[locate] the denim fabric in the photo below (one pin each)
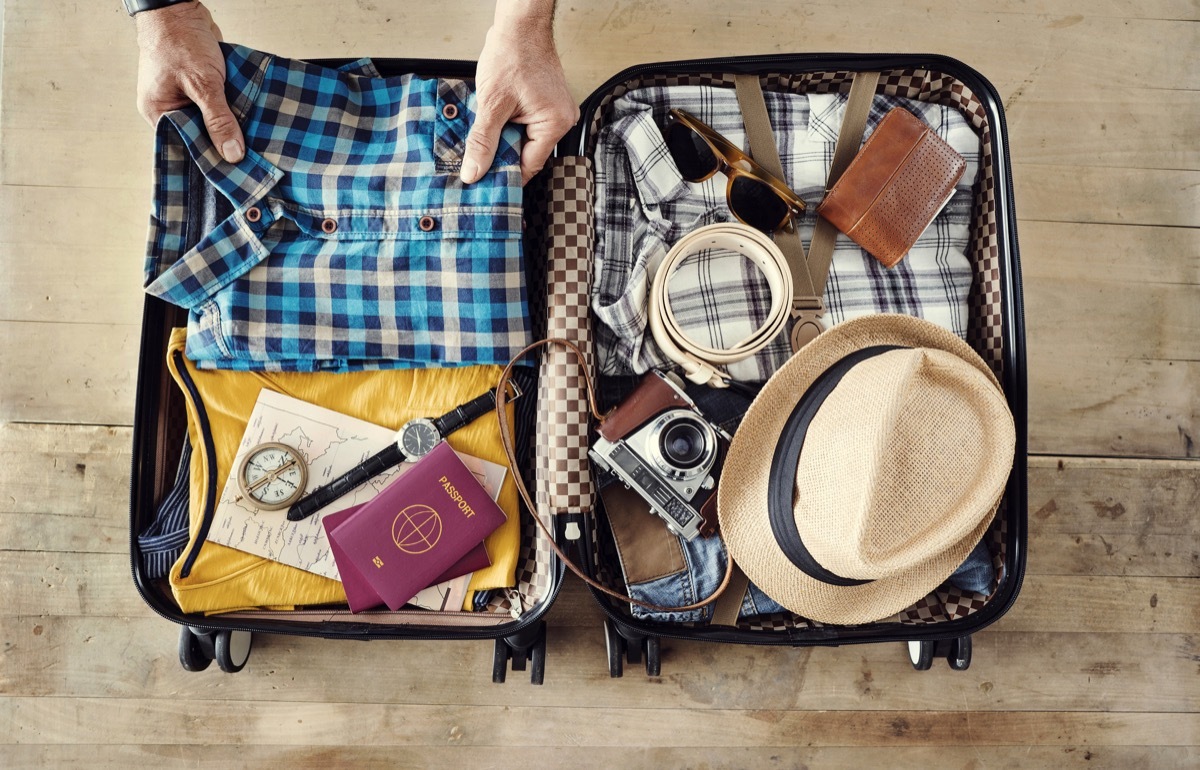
(351, 241)
(705, 558)
(976, 573)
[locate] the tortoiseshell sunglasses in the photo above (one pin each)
(756, 197)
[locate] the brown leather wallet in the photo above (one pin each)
(894, 187)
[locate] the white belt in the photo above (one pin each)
(700, 363)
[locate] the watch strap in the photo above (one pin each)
(133, 7)
(465, 413)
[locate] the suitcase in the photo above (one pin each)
(559, 213)
(942, 624)
(519, 633)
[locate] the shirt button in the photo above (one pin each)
(253, 214)
(329, 226)
(427, 223)
(449, 112)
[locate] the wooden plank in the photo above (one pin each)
(174, 721)
(75, 471)
(1129, 196)
(98, 584)
(1086, 395)
(1086, 516)
(1152, 130)
(304, 757)
(1114, 517)
(89, 379)
(1102, 405)
(1011, 671)
(1060, 253)
(1022, 52)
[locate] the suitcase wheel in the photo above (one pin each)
(527, 647)
(959, 655)
(653, 664)
(614, 644)
(232, 650)
(956, 651)
(627, 646)
(195, 649)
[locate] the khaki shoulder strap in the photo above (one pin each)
(809, 273)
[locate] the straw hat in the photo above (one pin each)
(866, 469)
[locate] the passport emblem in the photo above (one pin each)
(417, 529)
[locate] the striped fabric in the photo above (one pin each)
(350, 242)
(162, 542)
(643, 206)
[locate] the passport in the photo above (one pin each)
(417, 528)
(359, 593)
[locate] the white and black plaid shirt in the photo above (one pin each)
(643, 206)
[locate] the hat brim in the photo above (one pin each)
(745, 478)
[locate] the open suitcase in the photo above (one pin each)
(941, 624)
(559, 210)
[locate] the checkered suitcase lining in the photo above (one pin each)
(558, 226)
(985, 303)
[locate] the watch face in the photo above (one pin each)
(273, 476)
(418, 438)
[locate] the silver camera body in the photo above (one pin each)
(665, 450)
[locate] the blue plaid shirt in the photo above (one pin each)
(352, 243)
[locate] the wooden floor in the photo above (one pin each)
(1098, 664)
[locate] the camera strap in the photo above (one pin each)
(508, 441)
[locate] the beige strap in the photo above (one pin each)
(701, 363)
(763, 150)
(809, 273)
(508, 441)
(729, 606)
(854, 122)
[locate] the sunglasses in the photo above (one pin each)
(756, 197)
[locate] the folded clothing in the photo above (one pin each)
(210, 577)
(344, 239)
(643, 206)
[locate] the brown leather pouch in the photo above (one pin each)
(894, 187)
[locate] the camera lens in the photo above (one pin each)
(682, 444)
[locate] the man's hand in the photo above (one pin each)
(519, 79)
(180, 63)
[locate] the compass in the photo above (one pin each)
(273, 476)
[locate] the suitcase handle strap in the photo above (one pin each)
(811, 271)
(508, 441)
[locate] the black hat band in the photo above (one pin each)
(781, 484)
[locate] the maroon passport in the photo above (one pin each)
(406, 537)
(359, 593)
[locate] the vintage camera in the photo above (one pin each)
(659, 444)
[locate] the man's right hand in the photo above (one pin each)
(181, 63)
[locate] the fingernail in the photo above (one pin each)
(469, 171)
(232, 150)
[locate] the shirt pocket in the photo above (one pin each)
(454, 114)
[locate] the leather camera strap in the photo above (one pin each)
(809, 273)
(508, 441)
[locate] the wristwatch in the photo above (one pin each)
(134, 7)
(415, 439)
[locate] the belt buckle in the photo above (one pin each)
(807, 313)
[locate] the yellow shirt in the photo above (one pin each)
(223, 579)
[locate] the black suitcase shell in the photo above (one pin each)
(628, 638)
